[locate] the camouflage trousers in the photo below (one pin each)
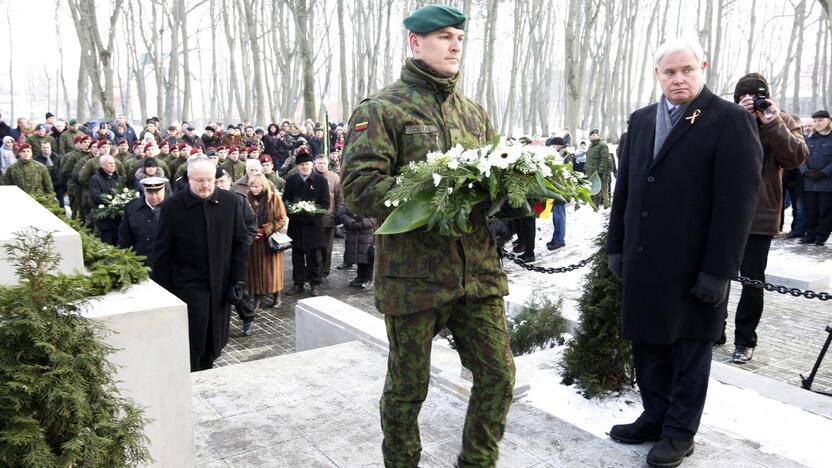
(602, 199)
(479, 331)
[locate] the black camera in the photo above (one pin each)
(760, 101)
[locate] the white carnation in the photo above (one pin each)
(436, 179)
(453, 164)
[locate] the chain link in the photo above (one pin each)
(795, 292)
(528, 266)
(745, 281)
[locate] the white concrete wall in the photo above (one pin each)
(150, 330)
(20, 211)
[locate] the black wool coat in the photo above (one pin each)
(359, 237)
(138, 228)
(201, 252)
(307, 232)
(688, 211)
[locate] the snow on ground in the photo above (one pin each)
(778, 428)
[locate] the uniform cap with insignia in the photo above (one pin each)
(24, 146)
(595, 131)
(196, 150)
(303, 156)
(432, 17)
(221, 172)
(73, 122)
(153, 184)
(123, 141)
(39, 127)
(211, 152)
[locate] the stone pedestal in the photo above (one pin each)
(148, 327)
(20, 211)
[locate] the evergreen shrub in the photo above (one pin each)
(538, 326)
(597, 359)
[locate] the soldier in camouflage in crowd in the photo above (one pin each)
(31, 176)
(425, 281)
(599, 159)
(70, 174)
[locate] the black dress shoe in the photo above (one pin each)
(635, 433)
(670, 452)
(295, 291)
(742, 354)
(555, 245)
(807, 240)
(793, 235)
(315, 290)
(519, 248)
(355, 282)
(344, 266)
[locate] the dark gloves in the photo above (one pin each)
(710, 289)
(814, 174)
(235, 294)
(357, 225)
(615, 262)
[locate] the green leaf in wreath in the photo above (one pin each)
(409, 216)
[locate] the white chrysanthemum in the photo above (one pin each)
(469, 157)
(484, 166)
(456, 151)
(453, 164)
(387, 203)
(395, 203)
(505, 156)
(436, 179)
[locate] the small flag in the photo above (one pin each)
(360, 126)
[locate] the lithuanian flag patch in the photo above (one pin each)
(361, 126)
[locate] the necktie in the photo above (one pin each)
(675, 114)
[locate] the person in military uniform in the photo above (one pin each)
(73, 187)
(140, 222)
(235, 165)
(31, 176)
(66, 142)
(426, 281)
(598, 160)
(38, 137)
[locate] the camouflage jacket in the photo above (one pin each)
(598, 159)
(236, 169)
(67, 142)
(31, 176)
(421, 269)
(36, 141)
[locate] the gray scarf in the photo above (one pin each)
(665, 120)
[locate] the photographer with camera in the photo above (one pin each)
(783, 148)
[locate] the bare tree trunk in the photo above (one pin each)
(174, 20)
(580, 23)
(256, 55)
(234, 95)
(800, 15)
(342, 64)
(302, 10)
(790, 51)
(752, 35)
(11, 58)
(519, 28)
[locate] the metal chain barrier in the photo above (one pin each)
(796, 292)
(528, 266)
(745, 281)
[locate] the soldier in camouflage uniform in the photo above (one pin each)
(598, 159)
(38, 137)
(425, 281)
(66, 143)
(31, 176)
(69, 174)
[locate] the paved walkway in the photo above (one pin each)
(319, 408)
(791, 332)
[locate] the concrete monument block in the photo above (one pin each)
(19, 211)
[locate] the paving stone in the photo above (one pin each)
(291, 454)
(246, 432)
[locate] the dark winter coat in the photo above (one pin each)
(307, 232)
(129, 134)
(820, 159)
(138, 228)
(54, 169)
(5, 130)
(359, 237)
(688, 211)
(783, 148)
(101, 183)
(200, 253)
(210, 142)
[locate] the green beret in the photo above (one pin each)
(432, 17)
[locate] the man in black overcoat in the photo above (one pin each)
(140, 222)
(306, 231)
(201, 256)
(682, 210)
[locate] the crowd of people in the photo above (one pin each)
(84, 164)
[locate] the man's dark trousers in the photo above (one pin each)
(750, 307)
(306, 266)
(673, 380)
(818, 215)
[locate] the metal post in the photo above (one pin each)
(807, 382)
